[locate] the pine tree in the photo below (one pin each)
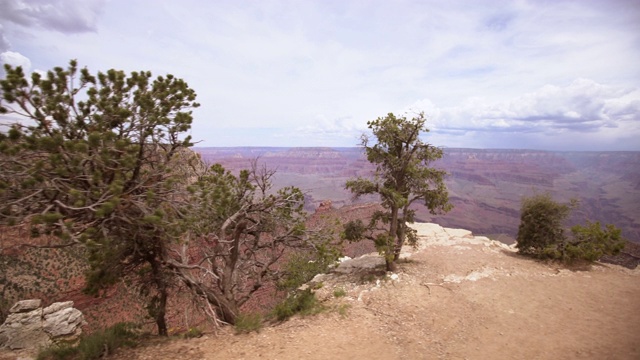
(90, 158)
(403, 176)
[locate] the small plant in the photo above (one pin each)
(338, 293)
(58, 352)
(301, 268)
(303, 302)
(342, 309)
(246, 323)
(94, 346)
(368, 278)
(193, 332)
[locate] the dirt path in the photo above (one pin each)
(450, 302)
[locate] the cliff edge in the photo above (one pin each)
(456, 296)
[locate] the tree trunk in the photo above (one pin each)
(226, 310)
(400, 239)
(159, 304)
(391, 241)
(391, 265)
(161, 311)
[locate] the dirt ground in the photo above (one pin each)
(448, 302)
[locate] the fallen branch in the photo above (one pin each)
(434, 284)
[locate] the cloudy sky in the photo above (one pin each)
(551, 75)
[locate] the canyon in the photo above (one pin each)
(486, 186)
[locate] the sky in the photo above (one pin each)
(543, 74)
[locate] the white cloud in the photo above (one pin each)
(16, 59)
(66, 16)
(583, 106)
(4, 42)
(272, 67)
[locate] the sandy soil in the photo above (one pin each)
(449, 302)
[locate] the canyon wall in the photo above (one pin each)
(486, 185)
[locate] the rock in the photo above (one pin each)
(325, 205)
(32, 328)
(55, 307)
(25, 306)
(63, 322)
(459, 233)
(368, 261)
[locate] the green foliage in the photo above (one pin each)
(85, 154)
(94, 346)
(193, 332)
(246, 323)
(591, 242)
(59, 352)
(403, 176)
(343, 309)
(338, 293)
(541, 233)
(302, 267)
(245, 227)
(541, 228)
(302, 302)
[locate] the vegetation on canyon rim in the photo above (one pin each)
(541, 233)
(403, 176)
(102, 161)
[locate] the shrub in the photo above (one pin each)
(540, 227)
(591, 242)
(301, 268)
(246, 323)
(303, 302)
(59, 352)
(95, 345)
(541, 233)
(339, 292)
(342, 309)
(193, 332)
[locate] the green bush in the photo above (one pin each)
(339, 293)
(343, 309)
(59, 352)
(302, 302)
(246, 323)
(591, 242)
(301, 268)
(95, 345)
(193, 332)
(540, 228)
(541, 233)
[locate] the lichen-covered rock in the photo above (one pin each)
(29, 326)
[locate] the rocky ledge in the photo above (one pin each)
(429, 235)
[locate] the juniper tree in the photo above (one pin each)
(403, 175)
(90, 158)
(238, 228)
